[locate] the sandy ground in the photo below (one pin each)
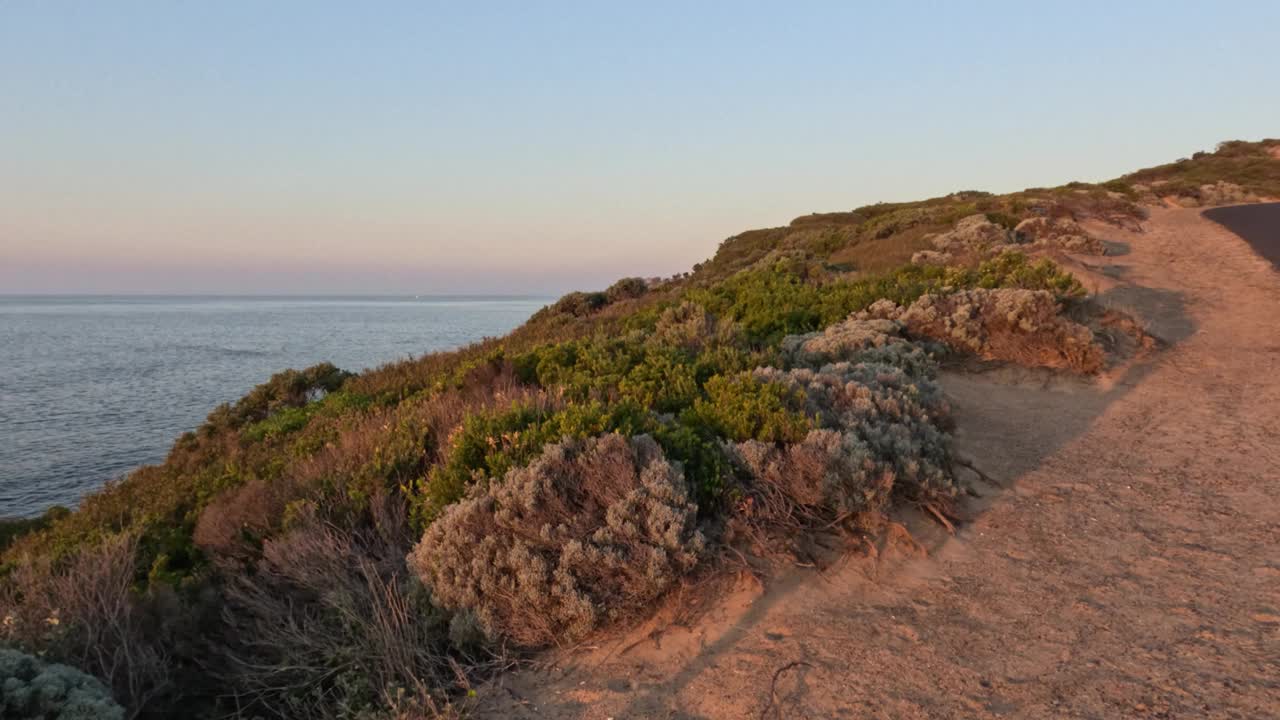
(1126, 563)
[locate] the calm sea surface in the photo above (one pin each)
(92, 387)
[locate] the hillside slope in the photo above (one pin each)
(355, 546)
(1122, 565)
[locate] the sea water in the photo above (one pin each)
(94, 386)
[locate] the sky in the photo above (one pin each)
(487, 147)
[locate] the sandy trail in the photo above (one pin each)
(1128, 565)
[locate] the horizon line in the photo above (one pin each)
(145, 294)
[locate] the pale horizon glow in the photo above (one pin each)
(432, 148)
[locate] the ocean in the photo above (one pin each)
(92, 387)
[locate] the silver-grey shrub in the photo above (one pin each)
(881, 432)
(863, 340)
(31, 689)
(1060, 233)
(1008, 324)
(590, 532)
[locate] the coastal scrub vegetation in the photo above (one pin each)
(36, 690)
(363, 546)
(1244, 171)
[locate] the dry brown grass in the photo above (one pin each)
(84, 612)
(875, 255)
(331, 618)
(230, 529)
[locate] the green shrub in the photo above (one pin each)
(1250, 165)
(626, 289)
(490, 444)
(579, 304)
(31, 689)
(654, 376)
(767, 304)
(691, 327)
(14, 528)
(1122, 187)
(283, 422)
(741, 407)
(1003, 219)
(288, 389)
(701, 454)
(1013, 270)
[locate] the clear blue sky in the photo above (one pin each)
(529, 147)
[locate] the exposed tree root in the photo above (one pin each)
(942, 519)
(773, 689)
(968, 464)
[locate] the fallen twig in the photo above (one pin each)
(773, 689)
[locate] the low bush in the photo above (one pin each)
(691, 327)
(13, 528)
(881, 435)
(897, 426)
(288, 389)
(31, 689)
(862, 340)
(84, 612)
(973, 235)
(579, 304)
(626, 289)
(489, 444)
(1058, 233)
(231, 529)
(331, 623)
(1013, 270)
(826, 476)
(591, 532)
(1010, 324)
(770, 304)
(1253, 167)
(741, 407)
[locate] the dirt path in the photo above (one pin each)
(1127, 566)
